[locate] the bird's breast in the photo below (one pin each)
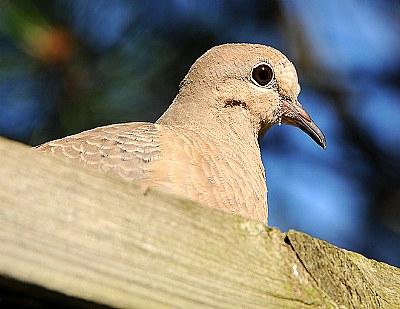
(222, 172)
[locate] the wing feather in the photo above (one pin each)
(124, 149)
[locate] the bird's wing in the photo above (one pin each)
(125, 149)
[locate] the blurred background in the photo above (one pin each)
(67, 66)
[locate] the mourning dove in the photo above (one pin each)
(206, 144)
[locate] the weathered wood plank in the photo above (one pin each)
(347, 277)
(91, 236)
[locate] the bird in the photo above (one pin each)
(205, 146)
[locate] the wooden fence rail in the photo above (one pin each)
(77, 237)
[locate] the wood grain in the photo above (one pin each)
(88, 235)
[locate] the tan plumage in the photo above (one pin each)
(205, 146)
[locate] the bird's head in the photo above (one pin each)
(258, 79)
(236, 82)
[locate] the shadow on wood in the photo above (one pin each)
(84, 235)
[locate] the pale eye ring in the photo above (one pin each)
(262, 74)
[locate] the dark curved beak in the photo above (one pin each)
(294, 114)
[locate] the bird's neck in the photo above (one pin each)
(228, 120)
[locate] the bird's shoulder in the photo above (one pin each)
(125, 149)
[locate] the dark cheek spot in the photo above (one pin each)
(231, 103)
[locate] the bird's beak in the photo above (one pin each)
(294, 114)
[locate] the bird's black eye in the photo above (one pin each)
(262, 74)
